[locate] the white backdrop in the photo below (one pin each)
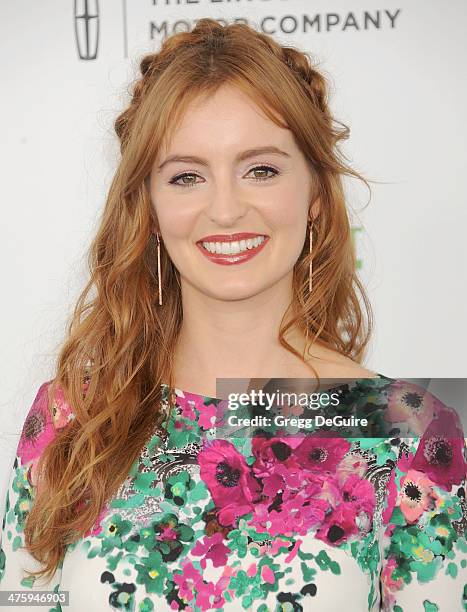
(397, 71)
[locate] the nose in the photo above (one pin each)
(226, 204)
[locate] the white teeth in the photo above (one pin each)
(232, 248)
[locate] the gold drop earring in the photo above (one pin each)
(310, 281)
(159, 268)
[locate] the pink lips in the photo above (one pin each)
(237, 258)
(228, 237)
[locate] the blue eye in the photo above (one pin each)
(191, 184)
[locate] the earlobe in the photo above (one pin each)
(147, 182)
(315, 208)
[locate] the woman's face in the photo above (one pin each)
(213, 182)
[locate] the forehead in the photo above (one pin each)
(226, 119)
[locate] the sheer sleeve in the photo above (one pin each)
(39, 429)
(424, 556)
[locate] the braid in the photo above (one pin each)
(149, 66)
(313, 81)
(122, 124)
(301, 66)
(211, 35)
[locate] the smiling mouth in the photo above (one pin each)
(233, 247)
(233, 251)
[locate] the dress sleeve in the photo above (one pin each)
(424, 556)
(39, 429)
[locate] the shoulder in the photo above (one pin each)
(48, 413)
(333, 364)
(420, 410)
(435, 435)
(425, 510)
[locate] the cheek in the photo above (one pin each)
(286, 210)
(176, 217)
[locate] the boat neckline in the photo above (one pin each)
(379, 376)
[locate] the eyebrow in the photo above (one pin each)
(194, 159)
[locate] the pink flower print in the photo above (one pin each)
(269, 452)
(440, 453)
(38, 430)
(251, 571)
(231, 512)
(339, 525)
(227, 573)
(411, 404)
(391, 497)
(299, 511)
(227, 476)
(388, 582)
(403, 464)
(210, 596)
(329, 490)
(192, 400)
(167, 533)
(61, 410)
(416, 495)
(276, 544)
(188, 411)
(212, 547)
(293, 553)
(294, 476)
(360, 493)
(207, 416)
(270, 521)
(187, 581)
(267, 574)
(302, 513)
(298, 482)
(272, 485)
(321, 453)
(286, 481)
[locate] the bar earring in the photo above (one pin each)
(159, 268)
(310, 279)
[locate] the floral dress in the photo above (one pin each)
(265, 522)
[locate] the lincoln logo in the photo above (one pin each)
(87, 28)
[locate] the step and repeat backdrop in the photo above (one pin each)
(396, 71)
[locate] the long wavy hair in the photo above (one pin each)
(119, 339)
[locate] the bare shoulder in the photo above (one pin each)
(333, 364)
(355, 370)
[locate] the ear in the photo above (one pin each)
(153, 226)
(315, 208)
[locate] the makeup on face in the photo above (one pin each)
(228, 249)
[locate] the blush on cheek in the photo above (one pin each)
(178, 219)
(286, 207)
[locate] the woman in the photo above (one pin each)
(225, 251)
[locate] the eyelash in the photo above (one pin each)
(261, 167)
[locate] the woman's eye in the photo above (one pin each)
(261, 169)
(182, 176)
(264, 169)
